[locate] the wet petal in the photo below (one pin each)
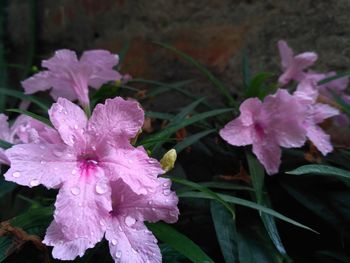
(320, 139)
(34, 164)
(235, 133)
(268, 153)
(38, 82)
(286, 53)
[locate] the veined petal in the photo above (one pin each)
(62, 60)
(97, 79)
(130, 241)
(70, 121)
(268, 153)
(134, 167)
(38, 82)
(235, 133)
(99, 59)
(34, 164)
(320, 139)
(323, 111)
(82, 203)
(160, 204)
(249, 109)
(65, 248)
(119, 118)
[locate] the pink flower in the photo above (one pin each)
(316, 113)
(267, 125)
(129, 239)
(293, 66)
(92, 155)
(70, 77)
(24, 130)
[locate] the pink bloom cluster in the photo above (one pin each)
(70, 78)
(283, 119)
(107, 186)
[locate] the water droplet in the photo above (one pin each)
(166, 200)
(16, 174)
(42, 162)
(102, 223)
(74, 171)
(150, 202)
(93, 148)
(42, 147)
(153, 209)
(134, 251)
(80, 204)
(75, 190)
(101, 188)
(69, 155)
(55, 168)
(65, 112)
(58, 153)
(118, 254)
(166, 184)
(76, 127)
(114, 242)
(120, 228)
(166, 191)
(34, 182)
(129, 221)
(143, 191)
(130, 161)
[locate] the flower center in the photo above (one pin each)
(88, 165)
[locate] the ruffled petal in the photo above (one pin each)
(65, 248)
(159, 204)
(133, 166)
(323, 111)
(235, 133)
(120, 119)
(38, 82)
(62, 60)
(82, 203)
(70, 121)
(286, 53)
(320, 139)
(268, 153)
(307, 90)
(99, 59)
(97, 79)
(249, 109)
(34, 164)
(130, 241)
(4, 128)
(304, 60)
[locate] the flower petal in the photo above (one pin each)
(70, 121)
(133, 166)
(323, 111)
(82, 203)
(4, 128)
(160, 204)
(320, 139)
(62, 60)
(38, 82)
(268, 153)
(65, 248)
(121, 119)
(249, 108)
(131, 241)
(304, 60)
(34, 164)
(286, 53)
(99, 59)
(235, 133)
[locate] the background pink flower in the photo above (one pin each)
(69, 77)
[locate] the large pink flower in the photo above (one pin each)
(129, 239)
(93, 153)
(267, 125)
(293, 66)
(70, 77)
(316, 113)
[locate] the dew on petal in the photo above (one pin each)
(166, 191)
(101, 188)
(150, 202)
(34, 182)
(74, 171)
(118, 254)
(129, 221)
(76, 127)
(16, 174)
(42, 162)
(42, 147)
(114, 242)
(75, 190)
(166, 184)
(130, 161)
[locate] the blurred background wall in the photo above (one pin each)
(213, 31)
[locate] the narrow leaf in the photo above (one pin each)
(338, 76)
(179, 242)
(33, 115)
(191, 140)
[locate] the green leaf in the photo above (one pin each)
(20, 95)
(344, 105)
(225, 228)
(206, 191)
(171, 129)
(5, 145)
(179, 242)
(226, 186)
(33, 115)
(257, 173)
(320, 169)
(186, 111)
(246, 203)
(338, 76)
(246, 70)
(188, 141)
(216, 82)
(34, 221)
(105, 92)
(256, 83)
(6, 187)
